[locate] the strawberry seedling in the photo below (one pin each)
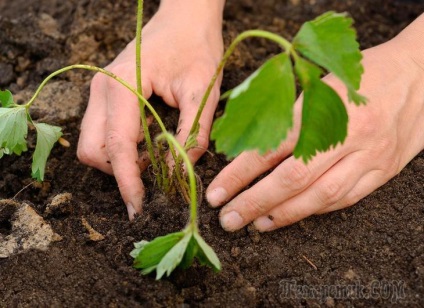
(165, 253)
(258, 116)
(259, 112)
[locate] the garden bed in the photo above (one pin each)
(369, 255)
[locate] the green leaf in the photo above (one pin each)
(148, 270)
(259, 111)
(191, 252)
(13, 129)
(6, 99)
(136, 251)
(173, 257)
(206, 254)
(138, 247)
(4, 151)
(47, 135)
(324, 116)
(152, 252)
(165, 253)
(330, 41)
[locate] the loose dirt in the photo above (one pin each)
(369, 255)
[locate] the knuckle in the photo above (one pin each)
(387, 153)
(97, 82)
(394, 166)
(254, 207)
(203, 72)
(390, 162)
(268, 160)
(203, 141)
(87, 156)
(166, 94)
(352, 197)
(193, 89)
(114, 143)
(121, 70)
(235, 179)
(330, 192)
(257, 160)
(84, 156)
(297, 177)
(366, 123)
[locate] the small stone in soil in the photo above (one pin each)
(92, 234)
(29, 231)
(253, 234)
(235, 251)
(60, 204)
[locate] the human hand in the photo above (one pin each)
(383, 137)
(182, 46)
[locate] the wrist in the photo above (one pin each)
(197, 20)
(410, 44)
(411, 41)
(209, 12)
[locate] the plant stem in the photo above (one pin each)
(138, 45)
(126, 85)
(190, 171)
(103, 71)
(161, 179)
(147, 136)
(286, 45)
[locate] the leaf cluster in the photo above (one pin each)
(259, 112)
(14, 122)
(165, 253)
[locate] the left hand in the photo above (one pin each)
(182, 46)
(383, 137)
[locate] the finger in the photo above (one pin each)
(329, 189)
(241, 172)
(121, 143)
(249, 165)
(363, 188)
(141, 134)
(189, 102)
(91, 145)
(289, 179)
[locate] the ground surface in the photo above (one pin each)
(373, 252)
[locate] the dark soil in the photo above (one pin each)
(374, 251)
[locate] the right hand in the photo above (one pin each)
(181, 49)
(383, 136)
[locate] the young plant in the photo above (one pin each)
(165, 253)
(15, 120)
(259, 112)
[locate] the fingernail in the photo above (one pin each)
(264, 223)
(131, 211)
(231, 221)
(217, 196)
